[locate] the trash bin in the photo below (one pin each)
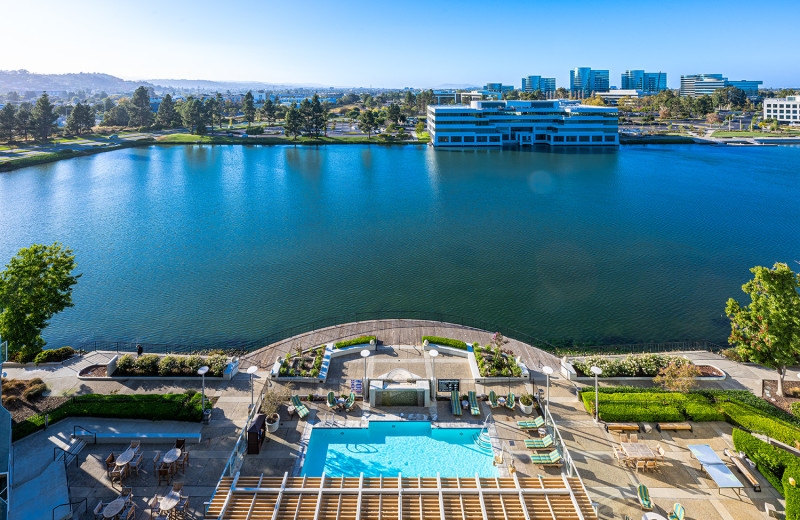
(206, 416)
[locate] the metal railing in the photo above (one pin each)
(85, 430)
(83, 500)
(558, 440)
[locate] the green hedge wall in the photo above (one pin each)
(652, 406)
(53, 355)
(446, 342)
(772, 462)
(363, 340)
(751, 419)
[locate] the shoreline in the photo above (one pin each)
(280, 141)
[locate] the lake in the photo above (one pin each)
(220, 244)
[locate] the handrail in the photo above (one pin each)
(85, 505)
(93, 433)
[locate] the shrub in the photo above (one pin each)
(772, 462)
(126, 364)
(147, 364)
(11, 401)
(34, 392)
(795, 408)
(193, 363)
(647, 365)
(35, 381)
(357, 341)
(700, 412)
(792, 392)
(168, 366)
(446, 342)
(190, 393)
(315, 372)
(255, 130)
(749, 418)
(217, 364)
(734, 354)
(54, 355)
(526, 399)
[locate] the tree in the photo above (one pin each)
(36, 284)
(562, 93)
(218, 108)
(24, 116)
(293, 125)
(249, 108)
(419, 128)
(367, 122)
(210, 107)
(767, 330)
(318, 116)
(140, 112)
(72, 125)
(193, 115)
(8, 121)
(43, 117)
(678, 376)
(393, 113)
(87, 119)
(117, 116)
(166, 112)
(269, 111)
(713, 118)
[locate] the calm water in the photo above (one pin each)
(389, 448)
(213, 244)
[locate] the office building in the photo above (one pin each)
(651, 82)
(498, 87)
(499, 123)
(612, 97)
(534, 83)
(584, 81)
(697, 85)
(784, 110)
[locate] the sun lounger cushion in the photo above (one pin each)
(474, 409)
(644, 497)
(302, 410)
(531, 424)
(554, 457)
(493, 399)
(544, 442)
(678, 513)
(455, 403)
(510, 401)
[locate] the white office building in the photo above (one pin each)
(498, 123)
(784, 110)
(697, 85)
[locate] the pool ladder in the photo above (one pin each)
(482, 439)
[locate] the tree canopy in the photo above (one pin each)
(43, 117)
(367, 122)
(139, 110)
(249, 108)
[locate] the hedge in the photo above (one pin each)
(363, 340)
(53, 355)
(445, 342)
(751, 419)
(155, 407)
(772, 462)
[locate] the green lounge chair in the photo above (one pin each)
(547, 459)
(474, 409)
(538, 444)
(493, 399)
(351, 402)
(299, 407)
(332, 402)
(529, 424)
(644, 498)
(455, 403)
(510, 401)
(679, 513)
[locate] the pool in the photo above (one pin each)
(387, 448)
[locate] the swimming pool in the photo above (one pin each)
(412, 448)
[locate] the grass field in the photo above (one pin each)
(749, 133)
(206, 139)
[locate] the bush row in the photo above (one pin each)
(445, 342)
(363, 340)
(647, 365)
(749, 418)
(150, 365)
(54, 355)
(772, 462)
(155, 407)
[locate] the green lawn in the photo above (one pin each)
(750, 133)
(206, 139)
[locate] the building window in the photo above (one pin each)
(481, 138)
(558, 138)
(584, 139)
(455, 139)
(444, 139)
(494, 138)
(610, 138)
(572, 139)
(469, 138)
(597, 138)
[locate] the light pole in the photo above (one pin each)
(596, 371)
(202, 372)
(433, 354)
(547, 370)
(365, 355)
(252, 370)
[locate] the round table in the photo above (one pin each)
(170, 501)
(172, 455)
(125, 457)
(114, 507)
(501, 401)
(290, 410)
(542, 432)
(652, 516)
(464, 404)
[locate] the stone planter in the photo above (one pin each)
(273, 426)
(526, 409)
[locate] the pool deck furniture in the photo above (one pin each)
(114, 507)
(333, 404)
(644, 498)
(673, 426)
(169, 502)
(552, 458)
(510, 400)
(652, 516)
(678, 513)
(474, 409)
(616, 426)
(125, 457)
(455, 403)
(350, 403)
(531, 424)
(715, 467)
(539, 444)
(493, 399)
(300, 408)
(637, 451)
(171, 456)
(743, 468)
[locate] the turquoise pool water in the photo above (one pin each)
(388, 448)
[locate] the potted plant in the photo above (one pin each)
(526, 403)
(269, 407)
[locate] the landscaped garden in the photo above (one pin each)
(646, 365)
(150, 365)
(303, 363)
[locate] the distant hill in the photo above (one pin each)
(204, 84)
(22, 80)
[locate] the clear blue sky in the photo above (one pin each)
(396, 44)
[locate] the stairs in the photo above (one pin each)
(71, 452)
(483, 441)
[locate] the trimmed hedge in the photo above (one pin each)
(446, 342)
(155, 407)
(772, 462)
(54, 355)
(357, 341)
(751, 419)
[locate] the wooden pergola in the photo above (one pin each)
(400, 498)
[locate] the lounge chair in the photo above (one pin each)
(510, 401)
(539, 444)
(678, 513)
(547, 459)
(474, 409)
(300, 408)
(644, 498)
(528, 424)
(332, 402)
(351, 402)
(493, 399)
(455, 403)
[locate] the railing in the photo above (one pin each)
(83, 500)
(93, 433)
(558, 440)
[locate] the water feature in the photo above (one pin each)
(195, 244)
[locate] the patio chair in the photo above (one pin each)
(493, 399)
(660, 453)
(180, 509)
(633, 437)
(136, 463)
(163, 474)
(136, 446)
(153, 505)
(333, 404)
(118, 473)
(127, 493)
(678, 513)
(538, 444)
(110, 463)
(474, 409)
(510, 401)
(651, 464)
(300, 408)
(640, 464)
(156, 461)
(182, 461)
(455, 403)
(98, 511)
(351, 402)
(620, 455)
(180, 444)
(177, 487)
(128, 514)
(624, 438)
(644, 498)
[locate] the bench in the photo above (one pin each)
(745, 471)
(673, 426)
(618, 426)
(770, 510)
(144, 438)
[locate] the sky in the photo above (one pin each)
(397, 44)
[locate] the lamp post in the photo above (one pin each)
(547, 370)
(596, 371)
(434, 354)
(365, 355)
(251, 371)
(202, 372)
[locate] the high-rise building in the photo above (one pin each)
(650, 82)
(583, 81)
(498, 87)
(534, 83)
(697, 85)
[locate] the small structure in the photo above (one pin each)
(399, 387)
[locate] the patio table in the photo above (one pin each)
(170, 501)
(125, 457)
(172, 455)
(638, 450)
(114, 507)
(652, 516)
